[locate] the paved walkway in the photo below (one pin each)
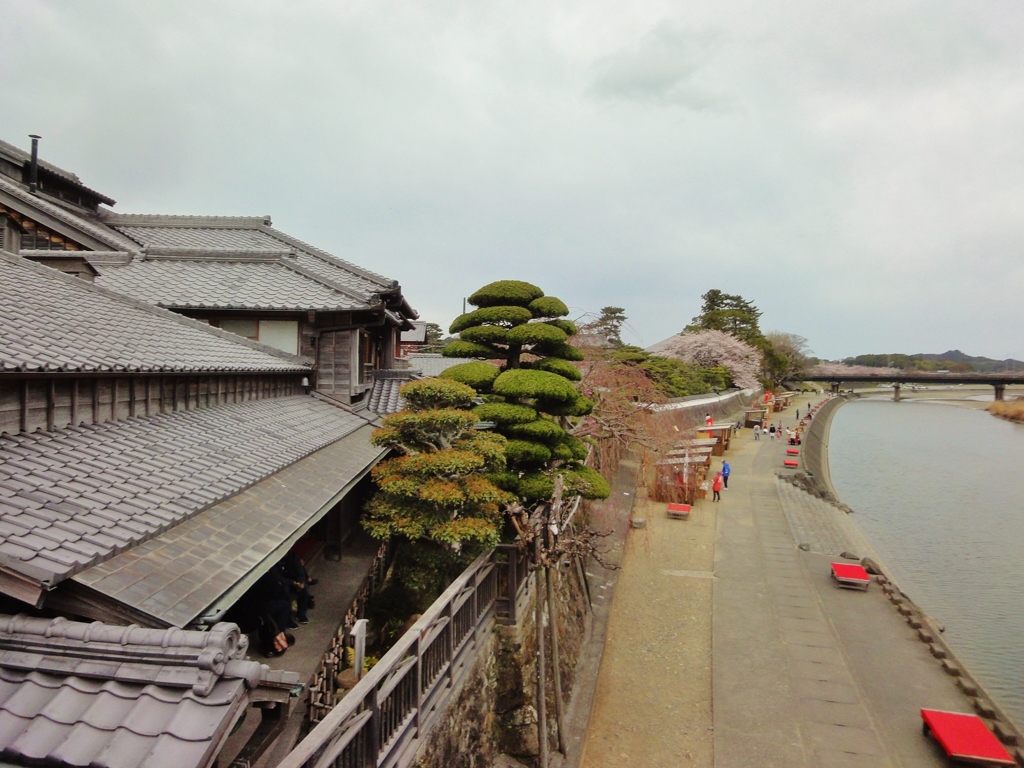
(727, 608)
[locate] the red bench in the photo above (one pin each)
(965, 738)
(793, 451)
(850, 576)
(679, 511)
(791, 463)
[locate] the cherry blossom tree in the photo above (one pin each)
(712, 348)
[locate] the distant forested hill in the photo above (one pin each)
(953, 360)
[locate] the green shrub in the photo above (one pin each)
(536, 486)
(507, 316)
(476, 375)
(578, 406)
(429, 394)
(505, 292)
(566, 325)
(485, 334)
(507, 481)
(577, 447)
(564, 351)
(563, 368)
(548, 306)
(541, 431)
(470, 349)
(526, 452)
(505, 413)
(536, 333)
(523, 383)
(562, 452)
(586, 482)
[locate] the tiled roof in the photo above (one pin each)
(74, 498)
(431, 365)
(224, 284)
(78, 694)
(32, 203)
(384, 397)
(214, 557)
(215, 233)
(50, 321)
(19, 155)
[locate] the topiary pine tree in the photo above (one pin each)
(436, 496)
(532, 397)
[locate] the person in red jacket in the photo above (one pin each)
(716, 486)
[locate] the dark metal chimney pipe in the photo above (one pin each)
(33, 168)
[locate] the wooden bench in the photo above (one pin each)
(679, 511)
(851, 576)
(964, 738)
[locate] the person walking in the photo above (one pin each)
(716, 487)
(726, 471)
(708, 421)
(757, 431)
(771, 432)
(798, 414)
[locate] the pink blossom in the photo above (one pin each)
(709, 349)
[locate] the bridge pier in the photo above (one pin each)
(1000, 391)
(896, 392)
(835, 387)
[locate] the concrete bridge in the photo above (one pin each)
(996, 380)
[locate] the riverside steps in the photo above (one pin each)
(730, 646)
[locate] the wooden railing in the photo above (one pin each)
(383, 720)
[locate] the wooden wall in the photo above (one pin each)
(28, 404)
(335, 361)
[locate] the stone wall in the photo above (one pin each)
(495, 711)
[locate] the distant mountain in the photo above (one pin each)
(981, 364)
(954, 359)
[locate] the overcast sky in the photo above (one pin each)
(855, 169)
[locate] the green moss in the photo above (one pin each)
(505, 413)
(523, 383)
(505, 292)
(566, 325)
(586, 482)
(548, 306)
(541, 430)
(536, 486)
(526, 452)
(479, 376)
(536, 333)
(470, 349)
(564, 351)
(563, 368)
(427, 394)
(485, 334)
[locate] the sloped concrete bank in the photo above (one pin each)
(818, 482)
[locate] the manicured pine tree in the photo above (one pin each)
(532, 397)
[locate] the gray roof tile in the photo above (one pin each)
(384, 396)
(225, 284)
(261, 436)
(431, 365)
(120, 697)
(178, 575)
(50, 321)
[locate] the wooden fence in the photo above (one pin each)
(384, 719)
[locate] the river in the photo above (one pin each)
(938, 490)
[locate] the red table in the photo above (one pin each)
(965, 738)
(851, 576)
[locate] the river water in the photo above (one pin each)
(938, 490)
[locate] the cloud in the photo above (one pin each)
(661, 67)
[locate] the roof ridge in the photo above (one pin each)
(99, 232)
(175, 220)
(50, 272)
(328, 257)
(299, 269)
(13, 149)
